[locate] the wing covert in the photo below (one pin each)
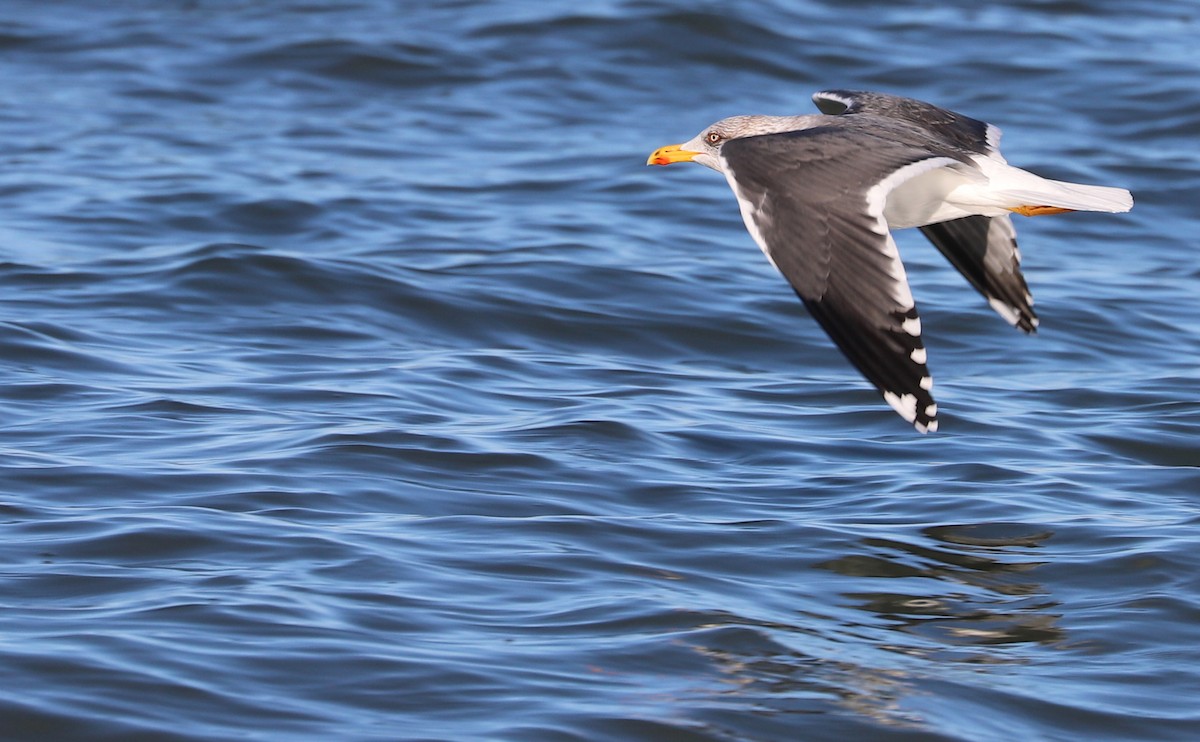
(950, 127)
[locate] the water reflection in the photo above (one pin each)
(962, 595)
(778, 680)
(973, 588)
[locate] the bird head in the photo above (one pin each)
(705, 147)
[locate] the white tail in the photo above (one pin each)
(1074, 196)
(1012, 188)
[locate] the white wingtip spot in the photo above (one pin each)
(931, 411)
(918, 355)
(904, 404)
(927, 383)
(1004, 310)
(912, 326)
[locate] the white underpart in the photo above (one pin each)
(920, 198)
(879, 197)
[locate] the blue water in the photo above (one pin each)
(360, 382)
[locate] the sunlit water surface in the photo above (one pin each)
(361, 382)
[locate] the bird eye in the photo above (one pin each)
(713, 137)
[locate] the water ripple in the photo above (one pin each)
(361, 382)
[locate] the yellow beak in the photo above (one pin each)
(670, 154)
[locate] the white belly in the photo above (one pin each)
(937, 196)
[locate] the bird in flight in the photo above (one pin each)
(820, 193)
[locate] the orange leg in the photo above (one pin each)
(1039, 210)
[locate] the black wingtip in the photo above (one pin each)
(918, 409)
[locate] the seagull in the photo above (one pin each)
(821, 193)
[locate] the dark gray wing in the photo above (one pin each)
(984, 250)
(952, 128)
(813, 200)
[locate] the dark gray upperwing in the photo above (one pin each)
(984, 250)
(952, 128)
(807, 199)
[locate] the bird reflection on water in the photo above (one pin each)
(968, 599)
